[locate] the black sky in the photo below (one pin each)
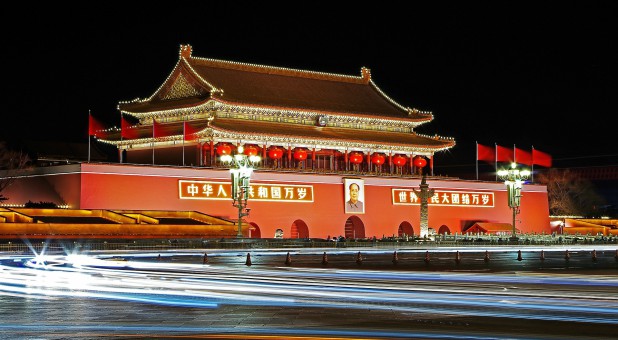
(540, 74)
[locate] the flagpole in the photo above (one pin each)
(477, 160)
(153, 136)
(121, 137)
(89, 119)
(514, 154)
(496, 159)
(532, 171)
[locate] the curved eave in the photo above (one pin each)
(141, 109)
(292, 134)
(418, 120)
(191, 106)
(140, 106)
(413, 114)
(336, 137)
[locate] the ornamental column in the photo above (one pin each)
(425, 194)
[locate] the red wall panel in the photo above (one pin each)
(156, 188)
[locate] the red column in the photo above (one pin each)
(390, 162)
(313, 159)
(264, 154)
(289, 156)
(345, 160)
(431, 164)
(212, 153)
(368, 161)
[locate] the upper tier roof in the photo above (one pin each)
(266, 86)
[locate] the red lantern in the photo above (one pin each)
(377, 159)
(275, 153)
(223, 149)
(419, 162)
(300, 154)
(399, 160)
(250, 150)
(355, 158)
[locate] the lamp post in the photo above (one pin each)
(514, 180)
(242, 168)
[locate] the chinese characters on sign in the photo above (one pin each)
(205, 190)
(445, 198)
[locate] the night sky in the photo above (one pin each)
(530, 74)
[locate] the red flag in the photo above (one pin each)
(485, 153)
(541, 158)
(189, 132)
(95, 127)
(126, 130)
(504, 154)
(523, 157)
(158, 130)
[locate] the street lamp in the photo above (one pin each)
(241, 173)
(514, 180)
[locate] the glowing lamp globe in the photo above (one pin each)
(399, 160)
(250, 150)
(419, 162)
(275, 153)
(300, 154)
(224, 149)
(356, 158)
(377, 159)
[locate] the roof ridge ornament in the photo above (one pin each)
(366, 74)
(186, 51)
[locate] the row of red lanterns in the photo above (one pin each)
(251, 150)
(301, 155)
(379, 159)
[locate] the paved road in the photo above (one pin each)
(144, 295)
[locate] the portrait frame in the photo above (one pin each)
(359, 206)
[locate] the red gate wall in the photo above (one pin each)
(127, 187)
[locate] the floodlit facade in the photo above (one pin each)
(338, 157)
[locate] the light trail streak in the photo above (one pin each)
(205, 286)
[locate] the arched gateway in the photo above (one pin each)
(354, 228)
(254, 230)
(299, 230)
(405, 229)
(444, 230)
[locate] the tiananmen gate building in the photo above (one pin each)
(318, 135)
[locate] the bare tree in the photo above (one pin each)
(569, 194)
(10, 163)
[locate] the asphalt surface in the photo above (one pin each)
(468, 296)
